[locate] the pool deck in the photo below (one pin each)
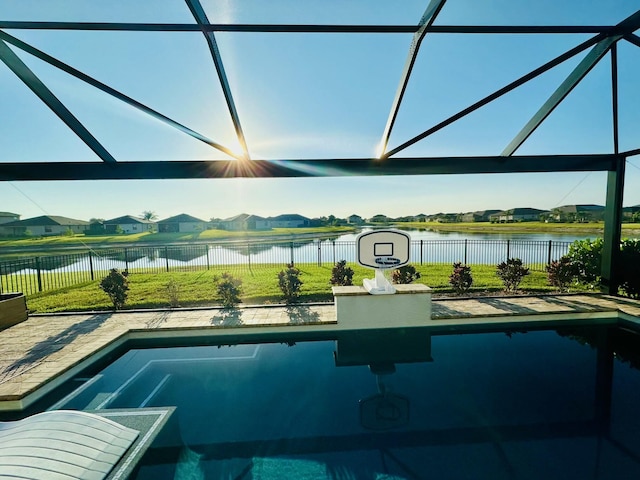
(42, 352)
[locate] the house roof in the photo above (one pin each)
(288, 217)
(127, 219)
(521, 211)
(8, 214)
(181, 218)
(483, 212)
(45, 220)
(238, 218)
(579, 208)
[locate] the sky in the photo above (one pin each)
(312, 96)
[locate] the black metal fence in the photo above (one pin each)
(43, 273)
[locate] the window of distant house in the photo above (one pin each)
(47, 230)
(135, 227)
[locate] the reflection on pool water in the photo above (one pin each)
(526, 405)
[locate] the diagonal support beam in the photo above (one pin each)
(578, 73)
(633, 38)
(497, 94)
(627, 26)
(30, 79)
(201, 17)
(426, 21)
(111, 91)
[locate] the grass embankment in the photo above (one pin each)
(148, 237)
(595, 228)
(260, 286)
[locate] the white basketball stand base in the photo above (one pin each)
(379, 285)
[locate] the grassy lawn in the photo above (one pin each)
(148, 237)
(260, 286)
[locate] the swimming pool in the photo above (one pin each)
(389, 405)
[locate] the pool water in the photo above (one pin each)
(514, 405)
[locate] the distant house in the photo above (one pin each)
(445, 217)
(44, 225)
(421, 217)
(517, 215)
(6, 217)
(244, 221)
(237, 223)
(182, 223)
(577, 213)
(631, 213)
(254, 222)
(479, 216)
(355, 220)
(290, 220)
(128, 224)
(379, 218)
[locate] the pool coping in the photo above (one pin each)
(47, 350)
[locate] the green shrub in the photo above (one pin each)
(290, 283)
(228, 289)
(587, 258)
(405, 274)
(511, 273)
(461, 278)
(116, 285)
(561, 273)
(630, 267)
(341, 274)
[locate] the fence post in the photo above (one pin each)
(249, 254)
(319, 253)
(421, 245)
(465, 251)
(291, 246)
(508, 248)
(549, 254)
(166, 256)
(91, 265)
(206, 251)
(126, 259)
(334, 251)
(39, 274)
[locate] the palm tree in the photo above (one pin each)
(149, 215)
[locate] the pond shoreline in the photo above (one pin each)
(632, 229)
